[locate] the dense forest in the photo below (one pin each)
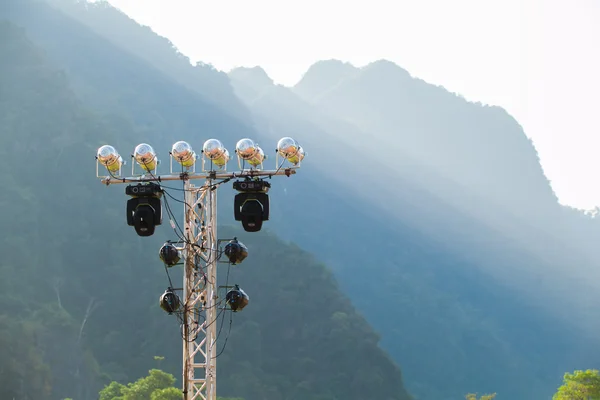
(450, 243)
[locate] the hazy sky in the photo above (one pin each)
(539, 59)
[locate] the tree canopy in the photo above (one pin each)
(157, 385)
(580, 385)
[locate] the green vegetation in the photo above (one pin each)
(473, 396)
(580, 385)
(158, 385)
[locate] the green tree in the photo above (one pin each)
(170, 393)
(158, 385)
(473, 396)
(112, 391)
(580, 385)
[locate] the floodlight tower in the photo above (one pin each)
(200, 250)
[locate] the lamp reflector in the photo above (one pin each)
(236, 251)
(258, 157)
(109, 158)
(169, 301)
(169, 254)
(237, 299)
(245, 148)
(145, 156)
(249, 151)
(289, 149)
(183, 153)
(216, 152)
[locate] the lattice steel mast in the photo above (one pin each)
(200, 293)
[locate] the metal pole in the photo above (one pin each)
(212, 295)
(188, 290)
(200, 293)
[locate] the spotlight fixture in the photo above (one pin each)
(237, 299)
(214, 150)
(251, 205)
(169, 301)
(183, 153)
(145, 156)
(235, 251)
(144, 210)
(110, 158)
(289, 149)
(169, 254)
(249, 152)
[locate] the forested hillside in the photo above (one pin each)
(432, 211)
(81, 289)
(432, 266)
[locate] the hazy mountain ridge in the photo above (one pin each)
(117, 27)
(125, 81)
(414, 112)
(494, 169)
(481, 149)
(323, 76)
(453, 192)
(479, 241)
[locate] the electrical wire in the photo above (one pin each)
(226, 337)
(168, 277)
(213, 256)
(223, 319)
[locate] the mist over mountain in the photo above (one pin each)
(493, 169)
(433, 213)
(466, 177)
(208, 83)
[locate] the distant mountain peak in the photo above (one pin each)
(254, 77)
(385, 67)
(322, 76)
(329, 68)
(250, 83)
(256, 73)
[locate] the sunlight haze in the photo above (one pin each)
(442, 229)
(538, 59)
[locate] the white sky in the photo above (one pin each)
(539, 59)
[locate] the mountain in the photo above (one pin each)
(478, 160)
(83, 288)
(483, 280)
(480, 149)
(206, 82)
(470, 279)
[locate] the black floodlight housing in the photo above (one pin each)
(169, 301)
(144, 209)
(169, 254)
(251, 205)
(237, 299)
(235, 251)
